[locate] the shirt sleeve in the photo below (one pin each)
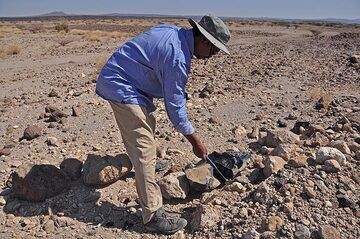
(174, 81)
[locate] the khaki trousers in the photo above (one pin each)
(137, 129)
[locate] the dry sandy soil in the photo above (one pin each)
(275, 71)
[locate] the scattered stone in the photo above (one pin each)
(354, 147)
(285, 151)
(273, 223)
(261, 194)
(273, 164)
(326, 153)
(341, 145)
(288, 207)
(49, 226)
(239, 131)
(32, 132)
(99, 170)
(161, 165)
(298, 161)
(298, 125)
(53, 93)
(251, 234)
(41, 182)
(179, 235)
(282, 123)
(275, 138)
(235, 187)
(5, 152)
(174, 151)
(205, 216)
(160, 152)
(72, 167)
(354, 59)
(301, 232)
(309, 191)
(329, 232)
(254, 133)
(331, 166)
(52, 141)
(201, 178)
(174, 185)
(344, 201)
(2, 201)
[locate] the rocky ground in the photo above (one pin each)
(301, 182)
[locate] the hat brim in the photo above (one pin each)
(208, 36)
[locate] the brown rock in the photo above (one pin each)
(341, 145)
(309, 191)
(99, 170)
(273, 164)
(288, 207)
(72, 167)
(5, 152)
(41, 182)
(276, 137)
(329, 232)
(201, 178)
(174, 185)
(331, 166)
(205, 216)
(286, 151)
(53, 93)
(32, 132)
(75, 111)
(254, 133)
(298, 161)
(273, 223)
(354, 147)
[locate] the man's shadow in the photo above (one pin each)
(81, 203)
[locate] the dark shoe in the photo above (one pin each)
(161, 224)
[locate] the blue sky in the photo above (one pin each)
(305, 9)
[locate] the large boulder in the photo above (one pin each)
(72, 167)
(276, 137)
(174, 185)
(327, 153)
(99, 170)
(41, 182)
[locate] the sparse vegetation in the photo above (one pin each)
(62, 27)
(65, 42)
(12, 49)
(315, 32)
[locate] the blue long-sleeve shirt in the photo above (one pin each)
(154, 64)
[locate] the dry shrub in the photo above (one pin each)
(94, 35)
(317, 93)
(36, 28)
(13, 49)
(118, 35)
(2, 52)
(10, 29)
(62, 27)
(78, 32)
(100, 62)
(65, 42)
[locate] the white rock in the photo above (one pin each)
(326, 153)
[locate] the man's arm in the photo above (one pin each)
(199, 148)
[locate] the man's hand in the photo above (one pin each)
(199, 148)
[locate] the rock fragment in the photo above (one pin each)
(273, 223)
(99, 170)
(331, 166)
(326, 153)
(201, 178)
(276, 137)
(301, 232)
(32, 132)
(273, 164)
(205, 216)
(5, 152)
(329, 232)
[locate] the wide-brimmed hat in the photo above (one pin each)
(214, 29)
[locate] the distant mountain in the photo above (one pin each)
(347, 21)
(54, 14)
